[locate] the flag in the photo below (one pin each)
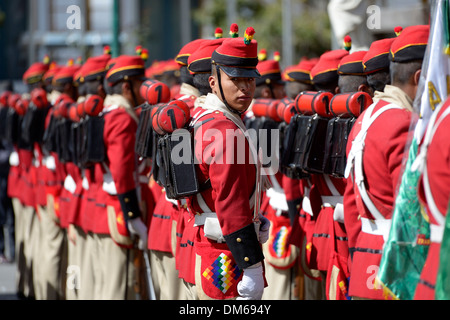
(406, 249)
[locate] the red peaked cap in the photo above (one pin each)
(352, 64)
(200, 59)
(187, 50)
(238, 57)
(35, 73)
(410, 44)
(125, 67)
(302, 71)
(49, 75)
(95, 68)
(325, 71)
(66, 74)
(270, 72)
(377, 58)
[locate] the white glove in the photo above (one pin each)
(138, 228)
(263, 229)
(251, 287)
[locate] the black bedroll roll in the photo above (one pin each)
(314, 156)
(143, 133)
(33, 125)
(338, 138)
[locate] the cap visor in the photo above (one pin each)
(240, 72)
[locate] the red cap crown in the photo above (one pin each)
(352, 64)
(238, 57)
(125, 67)
(410, 44)
(377, 58)
(200, 60)
(35, 73)
(325, 70)
(95, 68)
(186, 51)
(270, 72)
(66, 74)
(302, 71)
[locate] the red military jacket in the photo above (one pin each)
(121, 165)
(230, 197)
(437, 167)
(26, 195)
(382, 158)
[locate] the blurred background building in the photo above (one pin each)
(68, 29)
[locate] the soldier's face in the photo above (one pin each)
(238, 92)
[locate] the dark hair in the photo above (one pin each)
(378, 80)
(82, 89)
(91, 87)
(116, 88)
(402, 72)
(293, 88)
(351, 83)
(201, 82)
(327, 87)
(186, 76)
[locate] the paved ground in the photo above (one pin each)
(8, 282)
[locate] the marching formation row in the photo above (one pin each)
(113, 201)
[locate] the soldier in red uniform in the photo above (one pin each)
(434, 194)
(167, 223)
(229, 258)
(375, 152)
(123, 192)
(199, 68)
(91, 76)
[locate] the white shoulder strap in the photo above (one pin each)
(355, 159)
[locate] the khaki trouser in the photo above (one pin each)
(31, 232)
(168, 286)
(19, 230)
(52, 269)
(114, 272)
(80, 281)
(280, 283)
(191, 291)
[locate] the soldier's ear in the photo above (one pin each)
(126, 87)
(101, 91)
(366, 89)
(212, 82)
(417, 77)
(266, 93)
(337, 90)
